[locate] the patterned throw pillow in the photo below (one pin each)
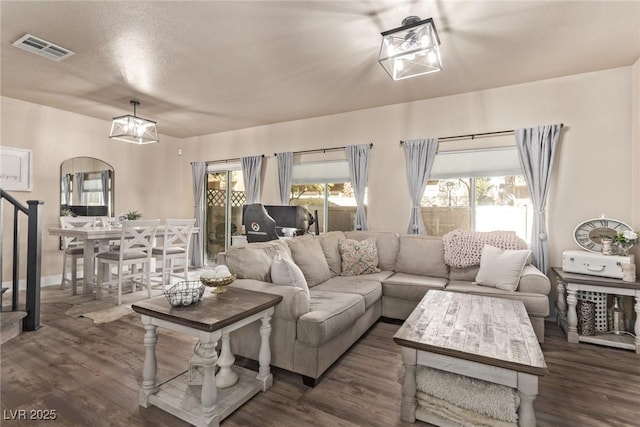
(358, 257)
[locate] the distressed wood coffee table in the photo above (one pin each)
(210, 320)
(490, 339)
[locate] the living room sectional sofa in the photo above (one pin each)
(312, 328)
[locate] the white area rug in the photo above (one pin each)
(106, 310)
(486, 398)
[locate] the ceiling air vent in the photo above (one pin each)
(42, 47)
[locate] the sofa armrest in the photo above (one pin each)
(534, 281)
(295, 302)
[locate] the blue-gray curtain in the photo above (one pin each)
(79, 190)
(104, 180)
(285, 169)
(536, 147)
(358, 159)
(66, 189)
(419, 156)
(198, 171)
(251, 170)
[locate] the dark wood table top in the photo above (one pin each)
(587, 279)
(492, 331)
(213, 311)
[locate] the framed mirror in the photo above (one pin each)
(87, 187)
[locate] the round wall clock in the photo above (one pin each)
(589, 234)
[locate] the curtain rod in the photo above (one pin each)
(474, 135)
(323, 150)
(225, 160)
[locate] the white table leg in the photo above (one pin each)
(636, 327)
(527, 390)
(562, 302)
(226, 377)
(209, 394)
(150, 362)
(264, 356)
(88, 266)
(572, 317)
(408, 403)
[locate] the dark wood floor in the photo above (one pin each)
(90, 375)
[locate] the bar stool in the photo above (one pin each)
(136, 242)
(73, 250)
(174, 251)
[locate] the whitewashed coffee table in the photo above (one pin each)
(210, 320)
(490, 339)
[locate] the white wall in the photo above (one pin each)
(635, 147)
(54, 136)
(592, 173)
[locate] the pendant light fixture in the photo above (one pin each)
(134, 129)
(411, 50)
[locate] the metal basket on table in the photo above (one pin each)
(183, 294)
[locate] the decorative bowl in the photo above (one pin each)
(183, 294)
(219, 285)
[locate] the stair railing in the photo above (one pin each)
(33, 212)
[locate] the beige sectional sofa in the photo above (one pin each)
(312, 328)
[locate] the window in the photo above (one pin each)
(325, 187)
(481, 190)
(93, 193)
(225, 197)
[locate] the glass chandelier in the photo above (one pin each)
(134, 129)
(411, 50)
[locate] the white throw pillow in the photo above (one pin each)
(285, 272)
(501, 268)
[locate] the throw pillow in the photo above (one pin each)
(358, 257)
(286, 273)
(501, 268)
(307, 254)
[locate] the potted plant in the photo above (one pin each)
(132, 215)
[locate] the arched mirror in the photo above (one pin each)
(86, 187)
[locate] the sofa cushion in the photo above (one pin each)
(253, 260)
(329, 243)
(386, 242)
(330, 314)
(369, 289)
(410, 286)
(501, 268)
(464, 273)
(285, 272)
(295, 302)
(421, 256)
(536, 304)
(358, 256)
(307, 254)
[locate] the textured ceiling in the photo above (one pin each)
(212, 66)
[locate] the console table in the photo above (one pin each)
(568, 286)
(213, 318)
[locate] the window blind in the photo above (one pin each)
(476, 163)
(320, 172)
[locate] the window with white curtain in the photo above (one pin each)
(325, 187)
(482, 190)
(92, 189)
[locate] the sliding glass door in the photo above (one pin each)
(223, 211)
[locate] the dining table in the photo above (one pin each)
(95, 237)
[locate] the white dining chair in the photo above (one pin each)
(174, 251)
(73, 250)
(134, 249)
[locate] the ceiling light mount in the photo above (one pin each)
(134, 129)
(411, 50)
